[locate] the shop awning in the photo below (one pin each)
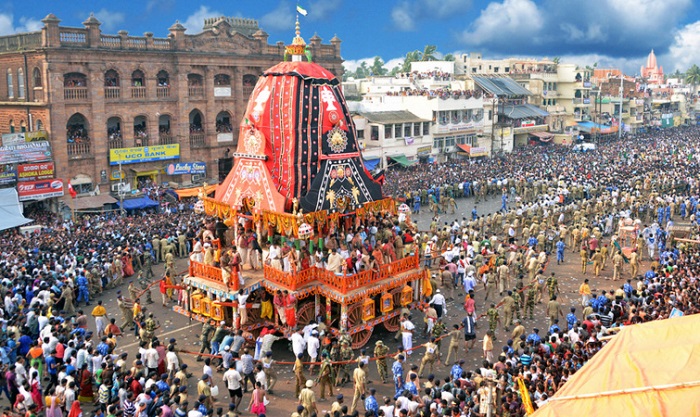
(371, 163)
(194, 191)
(543, 136)
(464, 148)
(142, 173)
(523, 111)
(88, 201)
(139, 203)
(11, 210)
(402, 160)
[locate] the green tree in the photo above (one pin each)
(377, 68)
(362, 71)
(429, 53)
(412, 56)
(556, 60)
(448, 57)
(692, 76)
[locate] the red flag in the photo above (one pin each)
(72, 191)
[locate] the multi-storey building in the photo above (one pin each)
(122, 108)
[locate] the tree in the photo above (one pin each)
(429, 53)
(448, 57)
(362, 71)
(556, 60)
(692, 76)
(377, 68)
(412, 56)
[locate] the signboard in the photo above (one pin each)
(179, 168)
(478, 151)
(39, 190)
(33, 172)
(9, 139)
(424, 150)
(222, 91)
(144, 154)
(26, 152)
(224, 137)
(36, 136)
(527, 123)
(8, 174)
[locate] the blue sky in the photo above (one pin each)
(610, 32)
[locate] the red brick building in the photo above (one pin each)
(94, 93)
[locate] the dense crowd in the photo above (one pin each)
(554, 201)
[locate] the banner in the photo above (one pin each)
(39, 190)
(8, 174)
(179, 168)
(144, 154)
(9, 139)
(33, 172)
(26, 152)
(478, 151)
(36, 136)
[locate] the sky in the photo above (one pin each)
(613, 33)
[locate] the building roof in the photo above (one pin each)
(501, 86)
(400, 116)
(523, 111)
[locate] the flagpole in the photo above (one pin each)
(73, 207)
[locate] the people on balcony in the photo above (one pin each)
(77, 134)
(223, 127)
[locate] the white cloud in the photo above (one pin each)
(110, 19)
(159, 5)
(684, 52)
(406, 13)
(195, 21)
(7, 26)
(281, 18)
(505, 21)
(321, 9)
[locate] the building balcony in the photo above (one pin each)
(582, 117)
(195, 92)
(112, 93)
(78, 149)
(584, 84)
(75, 93)
(138, 92)
(165, 139)
(141, 141)
(582, 101)
(115, 143)
(198, 140)
(163, 92)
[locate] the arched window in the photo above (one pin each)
(163, 78)
(196, 122)
(12, 126)
(114, 128)
(164, 136)
(249, 81)
(221, 80)
(140, 131)
(10, 85)
(20, 82)
(111, 78)
(138, 79)
(39, 124)
(77, 129)
(195, 85)
(223, 122)
(37, 78)
(22, 126)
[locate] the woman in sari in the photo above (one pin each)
(35, 385)
(128, 264)
(86, 393)
(53, 404)
(75, 410)
(19, 406)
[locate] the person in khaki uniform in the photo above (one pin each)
(584, 260)
(634, 263)
(508, 303)
(359, 377)
(299, 375)
(597, 259)
(455, 339)
(156, 249)
(429, 357)
(554, 310)
(307, 399)
(325, 376)
(617, 266)
(380, 352)
(605, 253)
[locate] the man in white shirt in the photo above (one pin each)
(335, 261)
(439, 303)
(312, 346)
(152, 359)
(233, 379)
(407, 335)
(298, 344)
(172, 362)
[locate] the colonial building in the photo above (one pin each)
(128, 106)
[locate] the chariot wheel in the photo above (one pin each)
(305, 313)
(360, 332)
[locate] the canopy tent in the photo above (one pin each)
(88, 201)
(139, 203)
(650, 369)
(194, 191)
(523, 111)
(472, 151)
(371, 163)
(401, 160)
(11, 210)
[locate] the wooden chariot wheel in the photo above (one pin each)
(305, 313)
(394, 323)
(359, 331)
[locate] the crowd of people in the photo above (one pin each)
(77, 134)
(553, 201)
(434, 75)
(443, 93)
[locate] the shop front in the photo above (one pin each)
(143, 165)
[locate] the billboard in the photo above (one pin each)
(23, 137)
(39, 190)
(12, 139)
(26, 152)
(144, 154)
(179, 168)
(8, 174)
(33, 172)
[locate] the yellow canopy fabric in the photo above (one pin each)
(192, 192)
(650, 369)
